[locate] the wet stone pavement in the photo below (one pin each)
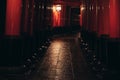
(63, 61)
(57, 64)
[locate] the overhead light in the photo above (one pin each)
(58, 7)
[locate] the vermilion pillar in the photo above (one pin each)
(63, 15)
(56, 15)
(103, 19)
(29, 17)
(114, 18)
(27, 5)
(32, 17)
(106, 18)
(94, 16)
(81, 14)
(91, 15)
(13, 17)
(100, 17)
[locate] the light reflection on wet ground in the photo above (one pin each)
(57, 62)
(62, 61)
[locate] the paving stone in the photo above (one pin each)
(63, 61)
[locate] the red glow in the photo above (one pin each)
(81, 19)
(13, 17)
(114, 18)
(100, 18)
(81, 14)
(56, 16)
(103, 19)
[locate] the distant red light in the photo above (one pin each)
(56, 15)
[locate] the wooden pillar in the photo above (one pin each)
(114, 18)
(56, 15)
(13, 17)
